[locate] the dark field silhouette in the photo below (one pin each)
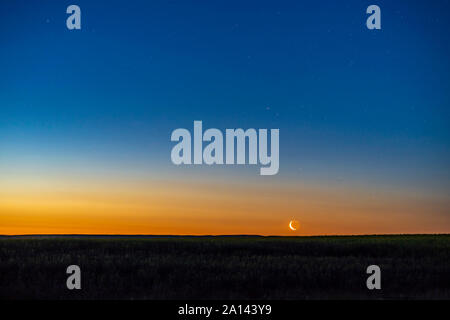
(226, 267)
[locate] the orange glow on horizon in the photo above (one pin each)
(203, 208)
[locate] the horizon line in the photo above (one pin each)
(211, 235)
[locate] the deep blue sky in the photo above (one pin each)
(352, 104)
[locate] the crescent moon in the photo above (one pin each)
(291, 227)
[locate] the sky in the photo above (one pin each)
(86, 116)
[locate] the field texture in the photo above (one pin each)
(412, 266)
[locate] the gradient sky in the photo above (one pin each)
(86, 116)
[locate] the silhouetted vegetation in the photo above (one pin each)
(413, 266)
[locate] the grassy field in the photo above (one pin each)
(413, 266)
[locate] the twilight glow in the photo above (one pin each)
(86, 117)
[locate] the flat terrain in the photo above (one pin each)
(228, 267)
